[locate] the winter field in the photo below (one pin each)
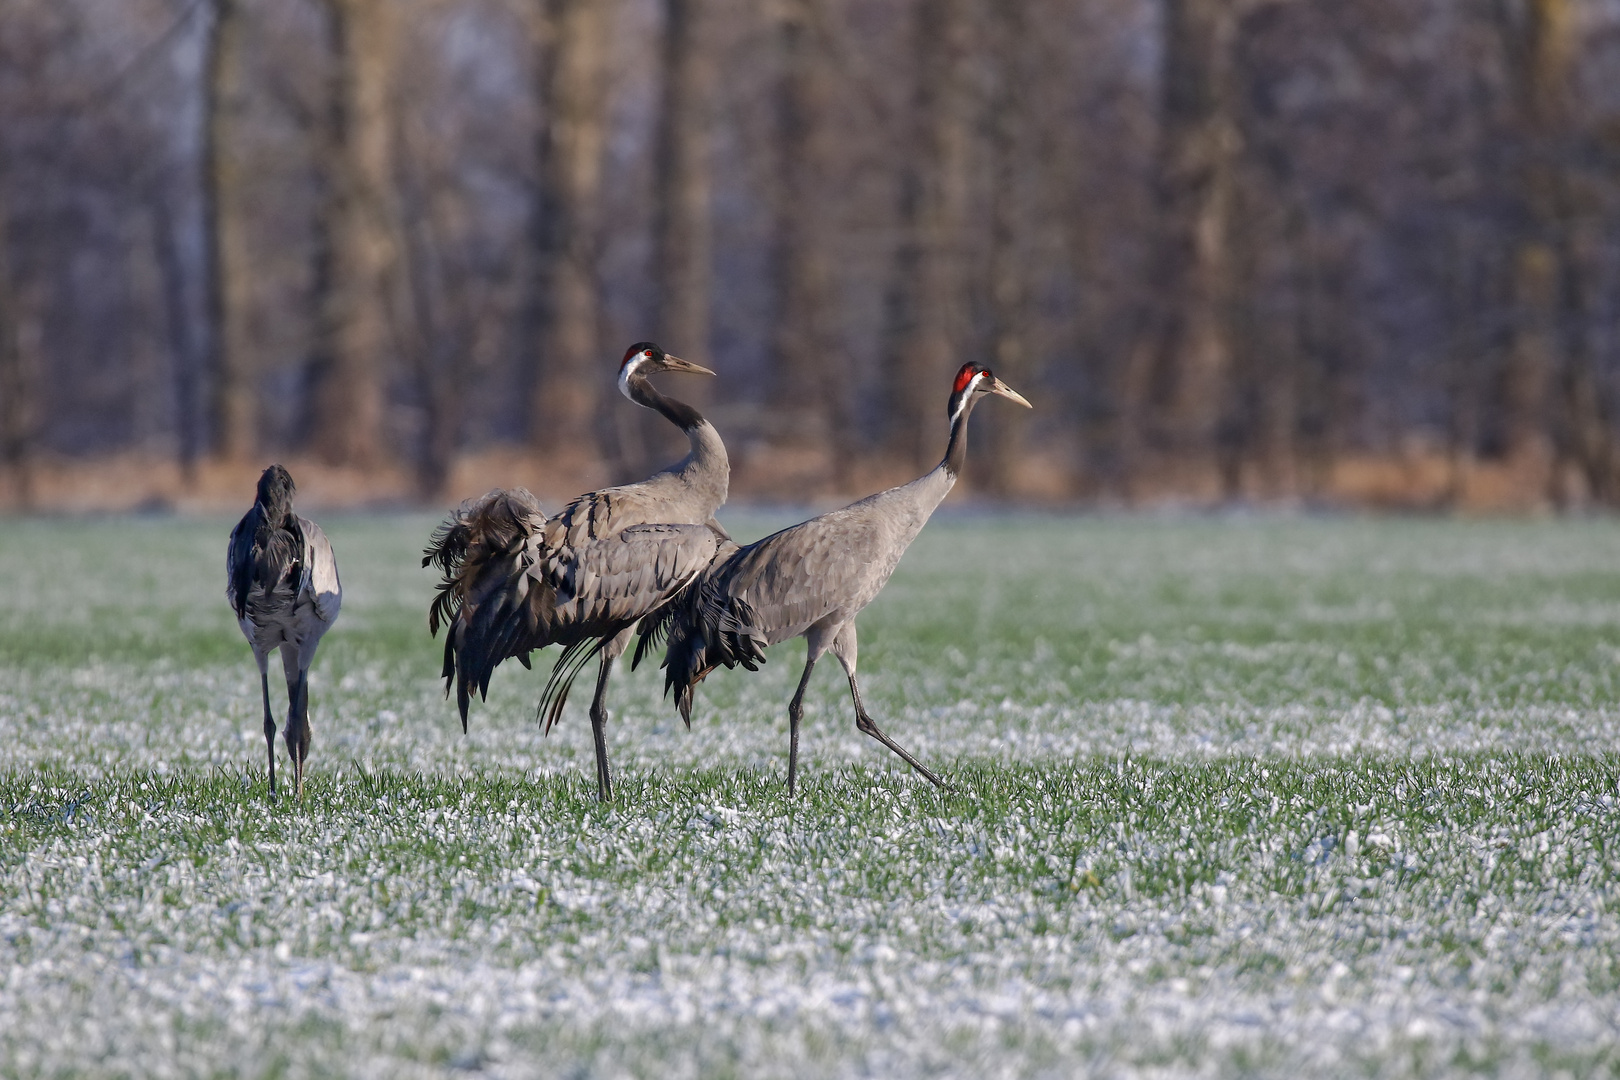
(1233, 796)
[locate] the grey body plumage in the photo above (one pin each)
(281, 579)
(515, 580)
(810, 581)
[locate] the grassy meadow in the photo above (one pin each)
(1232, 796)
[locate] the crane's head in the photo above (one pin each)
(974, 380)
(276, 488)
(644, 358)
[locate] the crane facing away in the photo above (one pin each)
(515, 581)
(810, 580)
(282, 580)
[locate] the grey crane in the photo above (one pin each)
(515, 581)
(282, 580)
(810, 580)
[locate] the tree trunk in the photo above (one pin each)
(806, 374)
(681, 233)
(233, 406)
(1176, 380)
(184, 350)
(925, 293)
(19, 376)
(359, 308)
(1538, 43)
(1008, 293)
(571, 57)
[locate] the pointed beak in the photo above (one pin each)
(675, 363)
(999, 387)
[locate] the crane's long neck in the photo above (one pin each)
(926, 492)
(707, 465)
(956, 449)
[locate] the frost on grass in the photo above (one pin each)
(1234, 798)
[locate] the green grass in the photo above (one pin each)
(1251, 796)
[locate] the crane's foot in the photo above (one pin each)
(868, 726)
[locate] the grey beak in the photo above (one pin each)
(675, 363)
(999, 387)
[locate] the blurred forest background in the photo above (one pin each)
(1347, 251)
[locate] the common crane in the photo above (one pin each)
(282, 581)
(810, 580)
(515, 580)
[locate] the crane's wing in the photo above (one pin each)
(609, 585)
(765, 593)
(775, 589)
(320, 578)
(239, 561)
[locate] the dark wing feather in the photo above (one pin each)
(610, 585)
(515, 581)
(239, 561)
(482, 550)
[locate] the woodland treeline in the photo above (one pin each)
(1229, 248)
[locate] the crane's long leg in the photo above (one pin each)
(269, 720)
(298, 734)
(795, 713)
(843, 647)
(296, 670)
(604, 779)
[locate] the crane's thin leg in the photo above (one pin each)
(864, 721)
(599, 715)
(297, 733)
(843, 647)
(269, 720)
(795, 713)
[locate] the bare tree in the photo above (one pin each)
(1177, 374)
(1006, 141)
(359, 306)
(571, 59)
(804, 389)
(179, 333)
(1537, 44)
(925, 292)
(682, 245)
(18, 375)
(234, 405)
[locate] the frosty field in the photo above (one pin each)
(1233, 796)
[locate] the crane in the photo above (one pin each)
(515, 580)
(810, 581)
(282, 581)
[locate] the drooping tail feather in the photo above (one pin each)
(567, 669)
(706, 628)
(481, 549)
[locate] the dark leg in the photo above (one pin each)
(864, 721)
(298, 729)
(599, 715)
(795, 712)
(269, 725)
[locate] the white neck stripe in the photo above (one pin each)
(624, 373)
(967, 392)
